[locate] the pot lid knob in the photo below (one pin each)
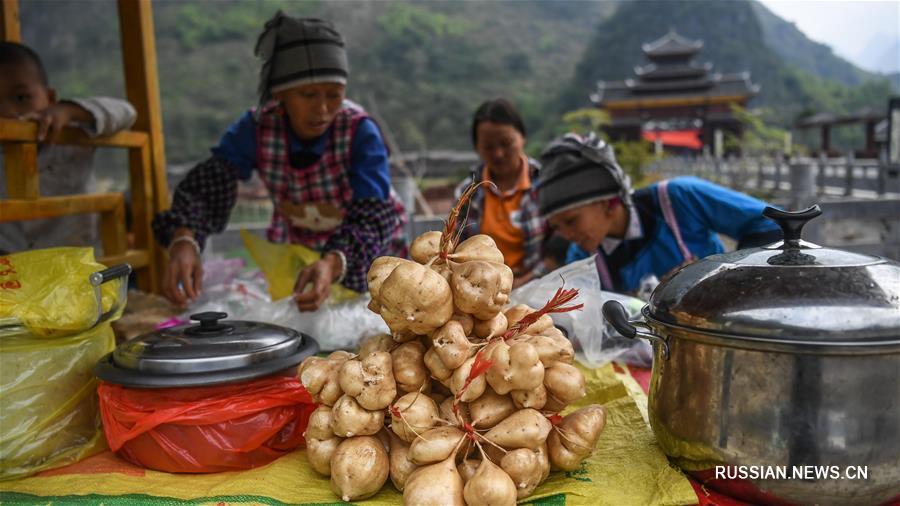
(792, 222)
(209, 322)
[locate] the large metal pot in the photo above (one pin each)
(785, 356)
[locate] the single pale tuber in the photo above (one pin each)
(526, 428)
(370, 380)
(575, 437)
(359, 468)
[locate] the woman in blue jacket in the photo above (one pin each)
(587, 198)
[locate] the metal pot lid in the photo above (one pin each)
(214, 351)
(792, 291)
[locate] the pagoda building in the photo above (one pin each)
(673, 100)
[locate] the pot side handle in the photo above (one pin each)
(617, 316)
(120, 271)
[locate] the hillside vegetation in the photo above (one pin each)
(424, 66)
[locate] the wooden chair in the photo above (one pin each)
(147, 174)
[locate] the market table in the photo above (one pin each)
(627, 468)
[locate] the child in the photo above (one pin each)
(64, 170)
(320, 156)
(587, 199)
(507, 210)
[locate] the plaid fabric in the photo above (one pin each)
(534, 227)
(325, 181)
(397, 244)
(371, 228)
(202, 202)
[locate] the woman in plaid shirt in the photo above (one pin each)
(321, 158)
(506, 210)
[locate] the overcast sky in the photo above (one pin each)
(860, 31)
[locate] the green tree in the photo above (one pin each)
(634, 157)
(585, 119)
(758, 138)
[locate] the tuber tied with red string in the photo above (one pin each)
(477, 387)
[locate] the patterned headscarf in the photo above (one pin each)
(577, 171)
(299, 51)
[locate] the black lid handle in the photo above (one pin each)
(792, 222)
(209, 321)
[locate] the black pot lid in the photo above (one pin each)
(215, 351)
(791, 291)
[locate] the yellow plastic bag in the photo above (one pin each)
(49, 414)
(48, 293)
(281, 263)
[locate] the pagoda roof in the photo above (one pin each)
(671, 44)
(654, 71)
(708, 87)
(697, 83)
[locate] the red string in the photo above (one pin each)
(479, 367)
(555, 305)
(448, 238)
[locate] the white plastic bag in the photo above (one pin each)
(595, 340)
(245, 296)
(335, 325)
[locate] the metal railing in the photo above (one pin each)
(860, 198)
(846, 176)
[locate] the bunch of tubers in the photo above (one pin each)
(460, 404)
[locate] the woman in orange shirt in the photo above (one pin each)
(507, 210)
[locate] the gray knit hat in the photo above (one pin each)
(299, 51)
(576, 171)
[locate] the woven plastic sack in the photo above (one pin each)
(206, 429)
(48, 407)
(47, 292)
(281, 263)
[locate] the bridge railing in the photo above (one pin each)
(844, 176)
(860, 198)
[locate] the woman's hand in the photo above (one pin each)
(183, 279)
(319, 276)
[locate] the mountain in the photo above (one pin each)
(895, 80)
(788, 42)
(424, 66)
(881, 54)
